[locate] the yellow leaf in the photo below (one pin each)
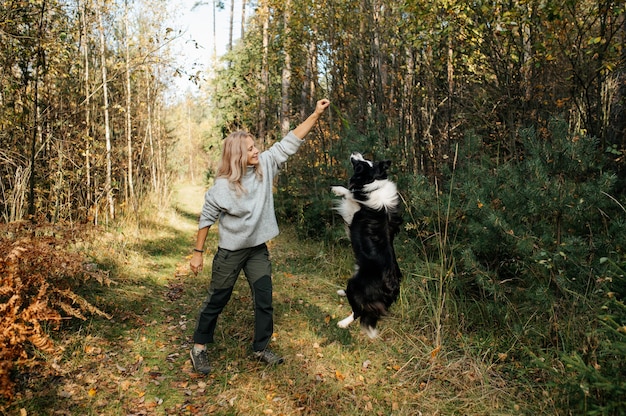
(92, 392)
(339, 376)
(434, 352)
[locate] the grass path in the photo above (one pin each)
(138, 363)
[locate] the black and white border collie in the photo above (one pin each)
(370, 210)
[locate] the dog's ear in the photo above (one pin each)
(382, 167)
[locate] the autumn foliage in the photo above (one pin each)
(39, 271)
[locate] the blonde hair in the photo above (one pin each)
(234, 161)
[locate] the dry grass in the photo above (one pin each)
(137, 363)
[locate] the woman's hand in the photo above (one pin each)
(196, 262)
(305, 127)
(321, 106)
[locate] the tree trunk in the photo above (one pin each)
(129, 132)
(230, 26)
(362, 93)
(286, 74)
(192, 168)
(107, 128)
(214, 30)
(265, 76)
(243, 18)
(36, 124)
(153, 166)
(85, 48)
(307, 94)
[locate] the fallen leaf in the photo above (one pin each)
(92, 392)
(434, 352)
(339, 376)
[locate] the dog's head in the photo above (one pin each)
(366, 171)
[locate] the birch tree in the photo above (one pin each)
(286, 72)
(128, 113)
(108, 189)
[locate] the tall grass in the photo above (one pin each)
(435, 270)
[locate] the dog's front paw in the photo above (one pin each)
(339, 190)
(344, 323)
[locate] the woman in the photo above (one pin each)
(242, 200)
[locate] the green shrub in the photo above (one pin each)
(530, 241)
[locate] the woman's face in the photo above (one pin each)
(253, 152)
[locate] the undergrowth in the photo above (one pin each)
(528, 253)
(39, 272)
(137, 363)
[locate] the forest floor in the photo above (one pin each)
(138, 362)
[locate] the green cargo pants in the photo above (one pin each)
(227, 265)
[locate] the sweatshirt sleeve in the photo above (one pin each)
(211, 210)
(280, 151)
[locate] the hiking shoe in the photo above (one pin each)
(267, 356)
(200, 361)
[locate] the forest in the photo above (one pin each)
(505, 122)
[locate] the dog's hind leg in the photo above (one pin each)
(347, 321)
(370, 331)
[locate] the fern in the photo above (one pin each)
(36, 276)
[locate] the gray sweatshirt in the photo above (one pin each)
(248, 220)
